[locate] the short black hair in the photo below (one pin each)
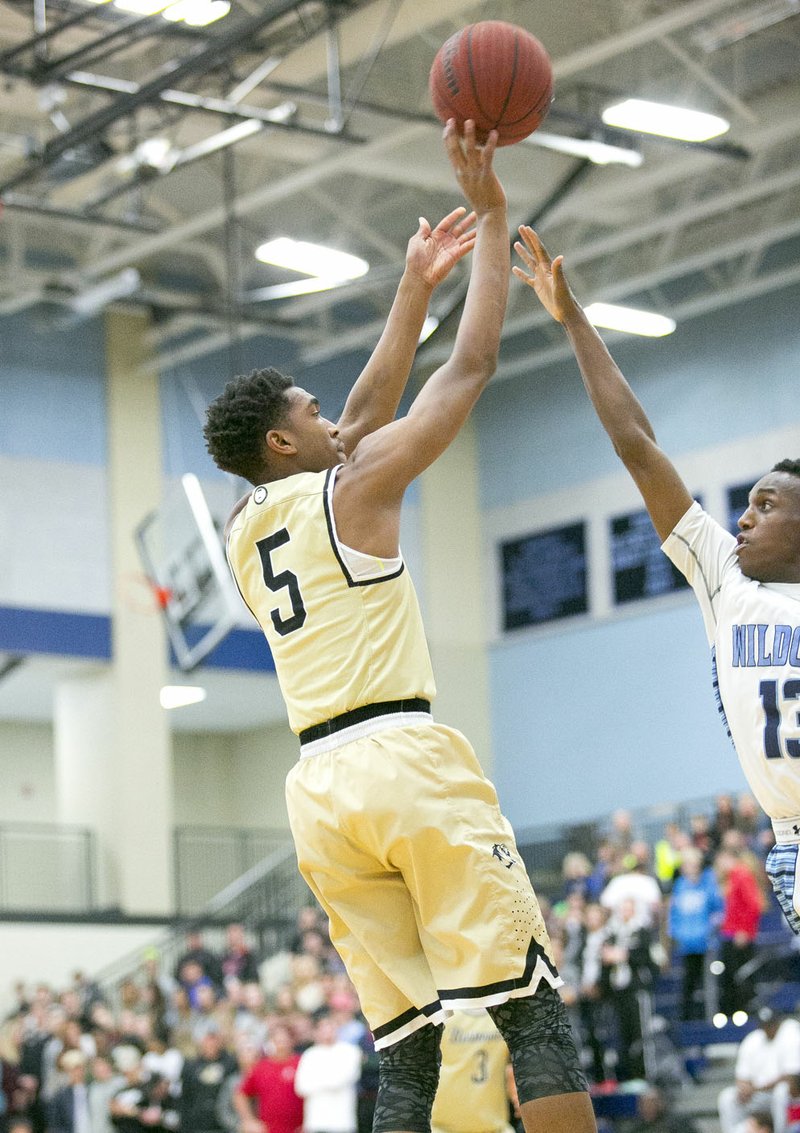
(238, 420)
(790, 466)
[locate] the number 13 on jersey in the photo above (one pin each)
(772, 717)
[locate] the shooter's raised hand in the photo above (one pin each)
(473, 167)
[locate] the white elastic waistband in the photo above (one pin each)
(364, 728)
(786, 829)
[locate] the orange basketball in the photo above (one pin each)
(495, 73)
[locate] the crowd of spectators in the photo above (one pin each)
(225, 1043)
(231, 1042)
(635, 908)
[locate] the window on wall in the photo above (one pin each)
(737, 503)
(544, 576)
(639, 568)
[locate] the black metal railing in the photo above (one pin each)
(265, 899)
(210, 858)
(47, 868)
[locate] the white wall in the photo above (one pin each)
(27, 783)
(203, 774)
(50, 953)
(220, 779)
(263, 758)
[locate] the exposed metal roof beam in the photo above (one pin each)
(24, 203)
(620, 42)
(612, 189)
(631, 285)
(194, 65)
(732, 101)
(691, 309)
(250, 202)
(77, 18)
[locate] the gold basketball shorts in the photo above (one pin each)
(400, 837)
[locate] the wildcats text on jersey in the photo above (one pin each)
(757, 645)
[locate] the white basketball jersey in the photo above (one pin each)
(754, 632)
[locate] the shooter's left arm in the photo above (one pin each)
(431, 255)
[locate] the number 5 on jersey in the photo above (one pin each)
(283, 580)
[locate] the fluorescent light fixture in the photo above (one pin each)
(141, 7)
(178, 696)
(601, 153)
(311, 259)
(666, 121)
(295, 287)
(628, 319)
(197, 13)
(428, 327)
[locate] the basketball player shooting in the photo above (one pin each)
(398, 833)
(748, 587)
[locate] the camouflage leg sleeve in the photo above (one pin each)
(408, 1074)
(539, 1038)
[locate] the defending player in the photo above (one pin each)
(748, 587)
(397, 831)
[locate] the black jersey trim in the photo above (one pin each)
(407, 1017)
(335, 546)
(536, 953)
(359, 715)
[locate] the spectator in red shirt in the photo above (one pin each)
(744, 904)
(271, 1084)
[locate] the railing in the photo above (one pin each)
(265, 900)
(543, 847)
(46, 868)
(210, 858)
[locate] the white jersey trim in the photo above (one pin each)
(362, 729)
(362, 567)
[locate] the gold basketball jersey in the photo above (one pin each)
(472, 1095)
(339, 640)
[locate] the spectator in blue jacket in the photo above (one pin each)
(695, 908)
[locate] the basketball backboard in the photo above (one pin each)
(182, 553)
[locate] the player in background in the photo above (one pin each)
(474, 1088)
(397, 831)
(748, 586)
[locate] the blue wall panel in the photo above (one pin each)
(53, 385)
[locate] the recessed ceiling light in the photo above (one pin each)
(311, 259)
(629, 319)
(666, 121)
(178, 696)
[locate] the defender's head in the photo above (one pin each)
(263, 427)
(768, 545)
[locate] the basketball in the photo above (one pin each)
(495, 73)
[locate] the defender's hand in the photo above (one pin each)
(545, 276)
(473, 166)
(433, 252)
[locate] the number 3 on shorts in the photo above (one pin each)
(284, 580)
